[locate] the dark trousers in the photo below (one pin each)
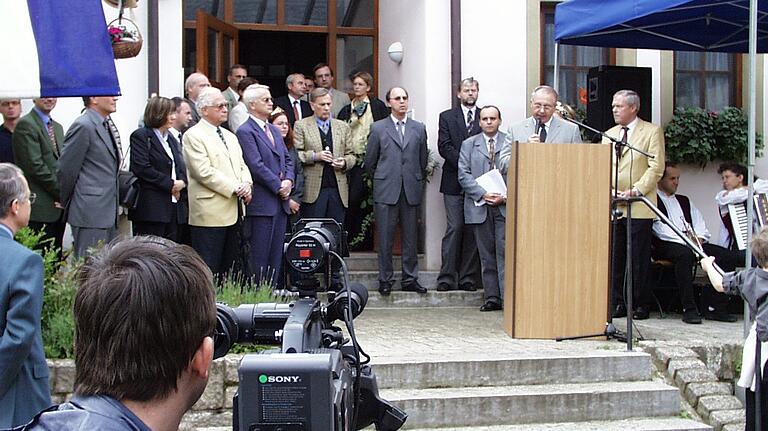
(641, 261)
(685, 264)
(387, 217)
(85, 238)
(51, 230)
(751, 404)
(164, 230)
(460, 259)
(490, 237)
(218, 246)
(327, 205)
(266, 236)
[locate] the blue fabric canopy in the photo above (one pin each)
(680, 25)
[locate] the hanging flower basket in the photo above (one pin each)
(126, 38)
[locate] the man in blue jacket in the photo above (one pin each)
(24, 386)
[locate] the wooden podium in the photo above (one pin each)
(557, 240)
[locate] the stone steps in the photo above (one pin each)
(608, 366)
(368, 261)
(521, 404)
(645, 424)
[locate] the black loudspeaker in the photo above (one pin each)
(604, 81)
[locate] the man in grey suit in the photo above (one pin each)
(88, 168)
(543, 126)
(479, 155)
(324, 78)
(396, 159)
(24, 389)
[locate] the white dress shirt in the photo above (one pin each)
(675, 215)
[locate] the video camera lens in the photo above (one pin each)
(308, 249)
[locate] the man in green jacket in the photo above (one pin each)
(36, 144)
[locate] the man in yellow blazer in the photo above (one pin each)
(325, 150)
(638, 176)
(218, 181)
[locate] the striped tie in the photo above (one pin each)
(52, 137)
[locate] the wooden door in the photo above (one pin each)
(217, 48)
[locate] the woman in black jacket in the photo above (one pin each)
(360, 114)
(157, 162)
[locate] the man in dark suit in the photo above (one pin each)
(479, 155)
(461, 265)
(324, 79)
(271, 168)
(24, 389)
(88, 171)
(157, 162)
(396, 159)
(10, 110)
(36, 145)
(295, 108)
(195, 83)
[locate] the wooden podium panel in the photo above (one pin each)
(557, 240)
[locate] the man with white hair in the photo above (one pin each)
(271, 168)
(218, 180)
(194, 84)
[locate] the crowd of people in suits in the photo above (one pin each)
(229, 171)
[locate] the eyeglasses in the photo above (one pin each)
(32, 198)
(219, 106)
(399, 98)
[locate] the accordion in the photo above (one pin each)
(738, 219)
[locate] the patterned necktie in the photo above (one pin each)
(469, 122)
(269, 135)
(114, 137)
(296, 112)
(542, 132)
(52, 137)
(324, 126)
(221, 136)
(492, 152)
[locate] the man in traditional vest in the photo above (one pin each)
(668, 246)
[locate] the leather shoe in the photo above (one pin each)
(414, 287)
(490, 306)
(385, 288)
(469, 287)
(720, 316)
(691, 316)
(641, 313)
(619, 312)
(444, 287)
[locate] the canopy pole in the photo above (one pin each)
(751, 103)
(556, 80)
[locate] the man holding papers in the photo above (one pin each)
(483, 179)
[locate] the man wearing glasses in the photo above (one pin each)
(542, 126)
(396, 159)
(24, 386)
(218, 180)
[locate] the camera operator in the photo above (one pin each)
(144, 314)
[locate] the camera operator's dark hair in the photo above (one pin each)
(143, 307)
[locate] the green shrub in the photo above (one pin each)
(698, 137)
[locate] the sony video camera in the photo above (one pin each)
(316, 382)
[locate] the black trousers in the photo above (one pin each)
(164, 230)
(685, 262)
(751, 404)
(218, 246)
(327, 205)
(641, 261)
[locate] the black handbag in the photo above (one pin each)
(129, 189)
(128, 185)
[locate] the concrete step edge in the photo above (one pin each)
(638, 424)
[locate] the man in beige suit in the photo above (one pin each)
(218, 181)
(638, 176)
(325, 149)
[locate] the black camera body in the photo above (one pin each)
(316, 381)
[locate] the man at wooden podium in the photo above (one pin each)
(479, 155)
(542, 126)
(638, 176)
